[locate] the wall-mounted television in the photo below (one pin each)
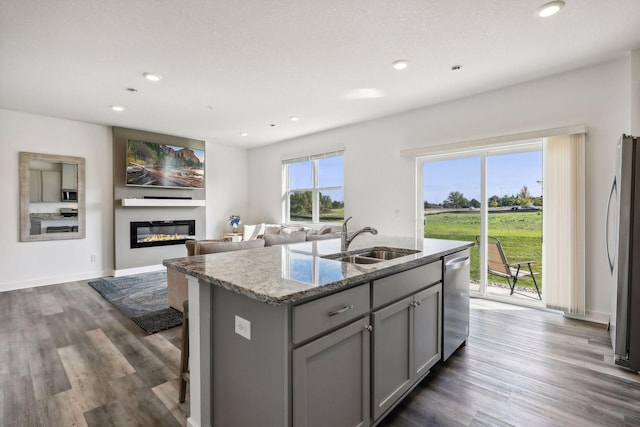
(150, 164)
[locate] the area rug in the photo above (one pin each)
(143, 298)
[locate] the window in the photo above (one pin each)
(314, 188)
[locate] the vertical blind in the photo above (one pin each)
(563, 223)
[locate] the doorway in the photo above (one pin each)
(481, 195)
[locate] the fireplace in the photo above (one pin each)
(145, 234)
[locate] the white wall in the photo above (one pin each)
(227, 187)
(635, 92)
(25, 264)
(380, 186)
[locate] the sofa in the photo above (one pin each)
(254, 237)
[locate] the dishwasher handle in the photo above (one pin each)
(457, 263)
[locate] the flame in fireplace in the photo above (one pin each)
(164, 237)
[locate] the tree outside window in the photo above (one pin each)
(314, 189)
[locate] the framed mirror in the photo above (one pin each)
(52, 199)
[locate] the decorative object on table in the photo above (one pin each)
(143, 298)
(234, 221)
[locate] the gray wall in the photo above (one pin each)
(125, 257)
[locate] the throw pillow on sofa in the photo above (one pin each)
(251, 232)
(271, 229)
(325, 230)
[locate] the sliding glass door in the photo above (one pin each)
(494, 199)
(452, 207)
(514, 220)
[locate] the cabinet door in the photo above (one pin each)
(35, 185)
(331, 379)
(426, 329)
(69, 176)
(51, 189)
(392, 354)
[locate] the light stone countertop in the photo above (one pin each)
(50, 216)
(287, 274)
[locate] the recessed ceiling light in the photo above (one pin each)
(400, 64)
(294, 118)
(244, 134)
(549, 9)
(152, 76)
(456, 68)
(117, 108)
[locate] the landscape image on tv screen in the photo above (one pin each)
(162, 165)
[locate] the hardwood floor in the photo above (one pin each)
(525, 367)
(69, 358)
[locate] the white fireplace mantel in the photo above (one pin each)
(163, 202)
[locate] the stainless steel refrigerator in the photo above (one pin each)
(623, 249)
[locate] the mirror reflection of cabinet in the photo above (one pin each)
(35, 186)
(44, 186)
(69, 177)
(52, 202)
(51, 189)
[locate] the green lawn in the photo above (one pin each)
(334, 215)
(519, 232)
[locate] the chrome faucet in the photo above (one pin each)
(346, 239)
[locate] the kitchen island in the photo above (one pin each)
(302, 334)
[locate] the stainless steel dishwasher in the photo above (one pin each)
(455, 302)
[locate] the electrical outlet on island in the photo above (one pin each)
(243, 328)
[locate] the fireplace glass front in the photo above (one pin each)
(145, 234)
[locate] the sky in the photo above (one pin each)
(506, 174)
(330, 174)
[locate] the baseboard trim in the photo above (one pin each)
(54, 280)
(591, 316)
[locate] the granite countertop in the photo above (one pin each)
(50, 216)
(286, 274)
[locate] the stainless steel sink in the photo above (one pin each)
(386, 254)
(372, 255)
(358, 259)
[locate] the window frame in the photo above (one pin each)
(482, 153)
(315, 189)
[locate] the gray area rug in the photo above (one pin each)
(143, 298)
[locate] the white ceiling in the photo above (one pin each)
(232, 66)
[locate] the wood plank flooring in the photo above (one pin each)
(525, 367)
(69, 358)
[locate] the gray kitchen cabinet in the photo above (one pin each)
(51, 186)
(44, 186)
(69, 176)
(331, 379)
(406, 344)
(343, 357)
(427, 312)
(35, 185)
(321, 315)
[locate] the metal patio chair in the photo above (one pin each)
(498, 265)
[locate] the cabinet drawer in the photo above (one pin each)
(399, 285)
(317, 316)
